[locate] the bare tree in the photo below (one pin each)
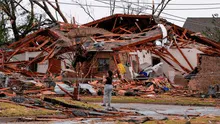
(112, 6)
(21, 20)
(85, 8)
(44, 5)
(156, 11)
(3, 29)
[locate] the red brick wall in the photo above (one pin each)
(209, 72)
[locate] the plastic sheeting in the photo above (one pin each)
(88, 87)
(64, 86)
(164, 31)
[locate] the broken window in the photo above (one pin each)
(103, 64)
(155, 60)
(33, 66)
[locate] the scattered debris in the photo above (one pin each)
(144, 56)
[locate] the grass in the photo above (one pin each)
(13, 110)
(198, 120)
(160, 99)
(78, 103)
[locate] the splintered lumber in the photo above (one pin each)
(138, 27)
(54, 101)
(117, 28)
(65, 91)
(184, 34)
(176, 61)
(37, 91)
(159, 54)
(126, 30)
(114, 24)
(142, 42)
(190, 65)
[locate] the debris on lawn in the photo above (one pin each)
(145, 57)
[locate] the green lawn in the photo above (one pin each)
(160, 99)
(13, 110)
(78, 103)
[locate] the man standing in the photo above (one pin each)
(108, 89)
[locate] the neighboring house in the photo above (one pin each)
(205, 25)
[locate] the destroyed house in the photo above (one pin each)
(57, 49)
(163, 48)
(133, 45)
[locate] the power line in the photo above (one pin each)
(76, 4)
(68, 3)
(184, 4)
(194, 22)
(204, 8)
(193, 8)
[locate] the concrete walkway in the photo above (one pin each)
(162, 111)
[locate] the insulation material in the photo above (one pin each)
(171, 76)
(158, 69)
(164, 32)
(144, 56)
(121, 68)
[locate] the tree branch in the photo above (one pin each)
(57, 8)
(46, 9)
(85, 9)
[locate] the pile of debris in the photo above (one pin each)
(137, 49)
(135, 88)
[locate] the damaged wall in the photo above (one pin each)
(41, 67)
(191, 55)
(98, 61)
(208, 73)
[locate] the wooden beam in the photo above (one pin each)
(184, 34)
(126, 30)
(176, 61)
(160, 55)
(117, 28)
(44, 43)
(138, 27)
(114, 24)
(152, 38)
(190, 65)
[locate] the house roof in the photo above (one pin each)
(123, 23)
(199, 24)
(117, 32)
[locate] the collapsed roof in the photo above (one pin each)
(117, 32)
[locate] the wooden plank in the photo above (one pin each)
(138, 27)
(183, 34)
(115, 29)
(114, 24)
(152, 38)
(176, 61)
(126, 30)
(159, 54)
(44, 43)
(190, 65)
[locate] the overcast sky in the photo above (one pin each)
(99, 12)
